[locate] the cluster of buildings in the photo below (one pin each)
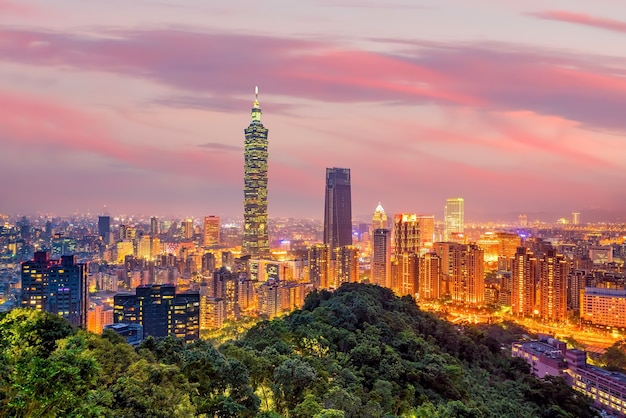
(180, 277)
(550, 357)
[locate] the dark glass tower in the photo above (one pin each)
(255, 235)
(338, 209)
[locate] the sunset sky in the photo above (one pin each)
(140, 106)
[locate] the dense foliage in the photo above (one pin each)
(357, 352)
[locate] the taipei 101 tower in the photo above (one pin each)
(255, 235)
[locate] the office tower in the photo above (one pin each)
(429, 276)
(427, 230)
(186, 229)
(575, 218)
(381, 258)
(160, 310)
(319, 265)
(144, 247)
(255, 233)
(553, 271)
(104, 227)
(208, 263)
(56, 286)
(346, 265)
(211, 231)
(454, 218)
(337, 209)
(406, 233)
(523, 279)
(379, 219)
(154, 227)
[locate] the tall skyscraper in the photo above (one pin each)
(211, 230)
(338, 209)
(381, 258)
(255, 233)
(576, 218)
(454, 218)
(56, 286)
(154, 226)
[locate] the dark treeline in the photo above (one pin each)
(357, 352)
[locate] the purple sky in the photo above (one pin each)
(517, 106)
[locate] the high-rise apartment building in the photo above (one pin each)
(406, 233)
(427, 230)
(429, 276)
(381, 258)
(462, 272)
(186, 229)
(454, 218)
(346, 265)
(523, 282)
(56, 286)
(154, 227)
(553, 271)
(319, 265)
(211, 232)
(337, 209)
(255, 233)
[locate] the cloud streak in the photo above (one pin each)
(583, 19)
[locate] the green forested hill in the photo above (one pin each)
(357, 352)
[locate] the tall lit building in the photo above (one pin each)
(454, 218)
(255, 234)
(346, 265)
(154, 226)
(211, 231)
(56, 286)
(338, 209)
(523, 279)
(379, 219)
(462, 272)
(427, 230)
(319, 265)
(186, 229)
(381, 258)
(575, 218)
(429, 276)
(553, 271)
(406, 233)
(407, 274)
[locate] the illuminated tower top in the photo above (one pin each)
(256, 108)
(379, 220)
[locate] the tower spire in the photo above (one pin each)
(256, 107)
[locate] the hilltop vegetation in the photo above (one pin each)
(357, 352)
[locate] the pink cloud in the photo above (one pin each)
(15, 8)
(583, 19)
(483, 76)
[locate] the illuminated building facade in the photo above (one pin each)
(427, 230)
(429, 282)
(154, 227)
(604, 307)
(407, 274)
(255, 232)
(462, 272)
(56, 286)
(406, 233)
(337, 209)
(553, 271)
(381, 258)
(523, 279)
(319, 265)
(211, 231)
(454, 218)
(346, 265)
(160, 310)
(186, 229)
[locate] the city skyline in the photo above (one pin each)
(515, 107)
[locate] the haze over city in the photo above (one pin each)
(140, 106)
